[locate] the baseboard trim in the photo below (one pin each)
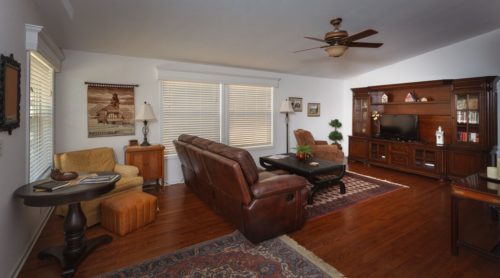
(36, 235)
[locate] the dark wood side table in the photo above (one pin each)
(76, 248)
(473, 187)
(149, 160)
(326, 173)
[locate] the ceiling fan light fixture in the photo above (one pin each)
(336, 50)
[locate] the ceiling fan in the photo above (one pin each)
(338, 40)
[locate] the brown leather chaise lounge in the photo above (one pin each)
(228, 180)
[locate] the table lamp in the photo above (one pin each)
(145, 114)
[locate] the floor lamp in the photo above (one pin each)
(286, 107)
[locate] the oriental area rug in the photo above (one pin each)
(234, 256)
(358, 188)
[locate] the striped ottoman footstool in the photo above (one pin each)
(128, 212)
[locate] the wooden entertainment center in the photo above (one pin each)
(466, 109)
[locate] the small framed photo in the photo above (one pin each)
(313, 109)
(296, 103)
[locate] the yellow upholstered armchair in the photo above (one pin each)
(320, 149)
(97, 160)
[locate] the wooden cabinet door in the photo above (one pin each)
(361, 118)
(464, 163)
(468, 118)
(149, 160)
(149, 165)
(358, 148)
(379, 152)
(399, 154)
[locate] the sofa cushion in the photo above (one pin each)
(241, 156)
(92, 160)
(265, 175)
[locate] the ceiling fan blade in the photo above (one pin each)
(360, 35)
(364, 44)
(315, 39)
(311, 48)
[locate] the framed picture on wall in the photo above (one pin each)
(110, 110)
(296, 103)
(313, 109)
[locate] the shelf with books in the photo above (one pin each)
(468, 137)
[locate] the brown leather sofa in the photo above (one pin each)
(228, 180)
(320, 149)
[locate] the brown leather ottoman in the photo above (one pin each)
(128, 212)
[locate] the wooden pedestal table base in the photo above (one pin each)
(76, 248)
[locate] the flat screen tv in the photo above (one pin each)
(399, 127)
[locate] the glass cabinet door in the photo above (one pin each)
(467, 118)
(361, 119)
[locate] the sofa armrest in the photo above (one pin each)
(320, 142)
(278, 184)
(126, 170)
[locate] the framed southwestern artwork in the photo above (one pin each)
(296, 103)
(313, 109)
(110, 110)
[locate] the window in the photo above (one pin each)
(249, 116)
(192, 108)
(41, 117)
(238, 115)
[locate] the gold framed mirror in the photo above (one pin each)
(10, 93)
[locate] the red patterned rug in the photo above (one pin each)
(358, 188)
(234, 256)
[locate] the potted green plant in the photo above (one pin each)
(336, 135)
(303, 152)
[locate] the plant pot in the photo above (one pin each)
(301, 156)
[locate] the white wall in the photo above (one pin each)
(18, 223)
(478, 56)
(78, 67)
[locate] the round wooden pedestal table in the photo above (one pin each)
(75, 248)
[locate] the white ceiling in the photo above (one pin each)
(263, 34)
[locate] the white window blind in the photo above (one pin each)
(192, 108)
(41, 119)
(249, 116)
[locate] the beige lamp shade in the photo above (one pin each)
(286, 107)
(336, 50)
(145, 113)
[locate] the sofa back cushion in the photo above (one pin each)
(304, 137)
(91, 160)
(202, 143)
(241, 156)
(228, 181)
(186, 138)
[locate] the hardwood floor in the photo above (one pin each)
(405, 233)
